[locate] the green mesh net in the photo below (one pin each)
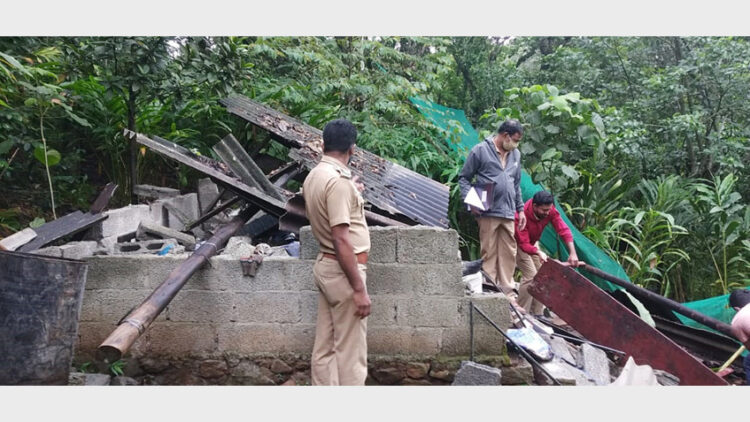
(461, 136)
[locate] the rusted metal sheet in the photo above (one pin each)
(600, 318)
(391, 188)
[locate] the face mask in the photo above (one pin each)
(510, 145)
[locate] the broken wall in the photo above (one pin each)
(414, 279)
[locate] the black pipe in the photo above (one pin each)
(641, 293)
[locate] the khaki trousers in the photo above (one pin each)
(339, 355)
(529, 266)
(497, 244)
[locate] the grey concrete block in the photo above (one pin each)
(308, 245)
(383, 241)
(472, 373)
(239, 247)
(457, 341)
(267, 307)
(129, 271)
(186, 204)
(403, 340)
(494, 305)
(53, 251)
(106, 246)
(561, 350)
(428, 312)
(201, 306)
(423, 244)
(565, 373)
(145, 247)
(308, 307)
(415, 279)
(284, 273)
(120, 221)
(595, 364)
(111, 305)
(78, 250)
(207, 193)
(384, 310)
(18, 239)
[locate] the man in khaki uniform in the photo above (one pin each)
(335, 209)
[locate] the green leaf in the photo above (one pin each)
(570, 172)
(5, 146)
(37, 222)
(15, 63)
(596, 119)
(552, 129)
(30, 102)
(549, 154)
(53, 156)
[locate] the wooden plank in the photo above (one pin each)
(102, 200)
(155, 192)
(64, 226)
(18, 239)
(601, 319)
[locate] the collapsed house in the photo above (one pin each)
(245, 309)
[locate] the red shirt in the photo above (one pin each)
(527, 237)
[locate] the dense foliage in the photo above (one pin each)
(643, 140)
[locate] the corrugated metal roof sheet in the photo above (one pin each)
(388, 186)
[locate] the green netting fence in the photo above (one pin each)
(461, 136)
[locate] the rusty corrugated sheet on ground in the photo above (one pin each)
(600, 318)
(390, 188)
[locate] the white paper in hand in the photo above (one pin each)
(472, 198)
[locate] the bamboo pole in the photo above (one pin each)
(136, 323)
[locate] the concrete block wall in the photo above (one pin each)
(419, 306)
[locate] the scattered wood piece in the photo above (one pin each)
(147, 227)
(18, 239)
(155, 192)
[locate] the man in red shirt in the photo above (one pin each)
(539, 211)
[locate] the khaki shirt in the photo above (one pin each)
(332, 199)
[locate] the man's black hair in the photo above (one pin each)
(739, 298)
(339, 135)
(542, 198)
(511, 127)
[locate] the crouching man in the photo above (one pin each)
(539, 211)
